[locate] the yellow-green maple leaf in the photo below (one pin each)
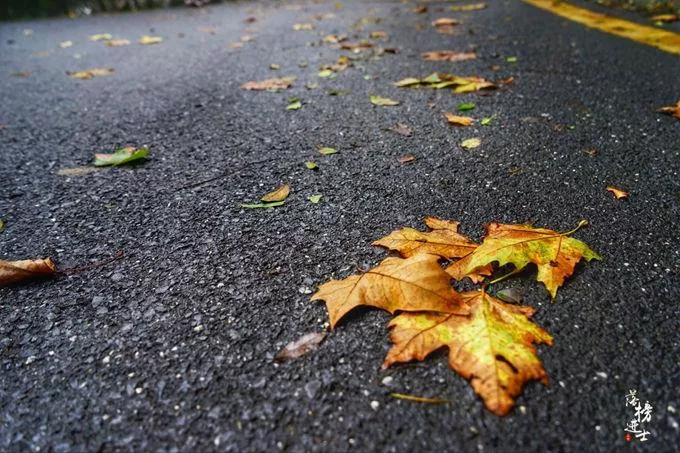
(413, 284)
(492, 347)
(555, 254)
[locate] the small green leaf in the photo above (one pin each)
(312, 86)
(486, 121)
(337, 92)
(295, 104)
(274, 66)
(368, 77)
(377, 100)
(471, 143)
(511, 59)
(263, 205)
(121, 156)
(571, 127)
(327, 151)
(2, 225)
(314, 199)
(326, 73)
(311, 165)
(464, 107)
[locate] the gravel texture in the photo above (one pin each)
(170, 348)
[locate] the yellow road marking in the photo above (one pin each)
(661, 39)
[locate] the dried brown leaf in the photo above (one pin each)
(300, 347)
(17, 271)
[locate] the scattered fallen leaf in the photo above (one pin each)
(314, 199)
(665, 18)
(444, 21)
(311, 165)
(28, 32)
(592, 152)
(555, 254)
(101, 37)
(17, 271)
(471, 143)
(511, 59)
(446, 29)
(406, 159)
(236, 45)
(413, 284)
(66, 44)
(250, 19)
(274, 67)
(448, 55)
(419, 9)
(311, 85)
(673, 110)
(377, 100)
(409, 81)
(418, 399)
(277, 84)
(117, 42)
(294, 104)
(89, 73)
(326, 73)
(304, 27)
(512, 295)
(121, 156)
(486, 121)
(334, 39)
(356, 46)
(21, 74)
(466, 107)
(327, 151)
(279, 194)
(146, 40)
(262, 205)
(300, 347)
(473, 84)
(378, 35)
(2, 225)
(76, 171)
(470, 7)
(402, 129)
(514, 170)
(247, 38)
(492, 347)
(618, 193)
(335, 92)
(455, 120)
(440, 80)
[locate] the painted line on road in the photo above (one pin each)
(661, 39)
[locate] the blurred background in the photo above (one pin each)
(27, 9)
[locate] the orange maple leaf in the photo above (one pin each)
(444, 241)
(413, 284)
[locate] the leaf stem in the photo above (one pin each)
(580, 225)
(503, 277)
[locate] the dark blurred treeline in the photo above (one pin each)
(23, 9)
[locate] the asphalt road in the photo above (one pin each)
(170, 347)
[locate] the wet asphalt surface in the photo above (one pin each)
(170, 347)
